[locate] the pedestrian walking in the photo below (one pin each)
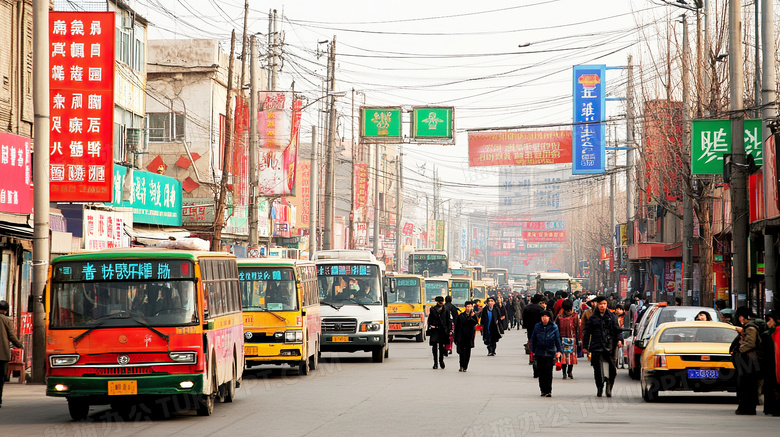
(532, 314)
(546, 346)
(490, 320)
(502, 313)
(465, 331)
(439, 326)
(745, 350)
(7, 337)
(569, 327)
(601, 337)
(453, 316)
(510, 312)
(770, 341)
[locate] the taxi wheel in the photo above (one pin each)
(649, 390)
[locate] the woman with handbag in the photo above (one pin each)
(569, 326)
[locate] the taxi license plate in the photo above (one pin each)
(117, 388)
(703, 373)
(395, 326)
(250, 350)
(340, 339)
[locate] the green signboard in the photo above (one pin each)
(711, 139)
(155, 198)
(380, 124)
(432, 122)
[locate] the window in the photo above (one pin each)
(219, 280)
(165, 127)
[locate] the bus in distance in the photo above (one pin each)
(129, 325)
(428, 262)
(499, 275)
(405, 309)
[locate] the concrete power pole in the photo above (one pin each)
(330, 159)
(769, 112)
(687, 230)
(219, 216)
(41, 251)
(630, 176)
(399, 203)
(739, 199)
(253, 146)
(376, 200)
(313, 193)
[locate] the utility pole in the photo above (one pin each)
(41, 250)
(739, 200)
(253, 146)
(216, 241)
(376, 200)
(274, 52)
(612, 220)
(769, 112)
(630, 177)
(399, 207)
(352, 181)
(329, 152)
(243, 46)
(687, 230)
(313, 194)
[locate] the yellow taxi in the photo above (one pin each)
(688, 356)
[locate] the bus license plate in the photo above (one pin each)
(340, 339)
(117, 388)
(250, 350)
(703, 373)
(395, 326)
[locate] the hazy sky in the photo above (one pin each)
(454, 53)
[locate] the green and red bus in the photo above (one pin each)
(135, 325)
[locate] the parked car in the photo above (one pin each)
(688, 356)
(655, 316)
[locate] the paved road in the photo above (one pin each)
(350, 395)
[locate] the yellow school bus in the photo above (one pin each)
(405, 308)
(281, 310)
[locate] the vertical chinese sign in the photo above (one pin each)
(589, 111)
(15, 175)
(279, 122)
(81, 83)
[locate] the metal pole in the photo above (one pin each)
(275, 53)
(769, 112)
(376, 200)
(630, 176)
(687, 249)
(352, 180)
(330, 155)
(399, 206)
(313, 193)
(41, 250)
(739, 199)
(253, 146)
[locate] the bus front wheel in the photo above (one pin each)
(378, 354)
(78, 409)
(314, 359)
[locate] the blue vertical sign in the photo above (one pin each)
(588, 154)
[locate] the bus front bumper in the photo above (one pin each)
(146, 385)
(405, 326)
(352, 342)
(273, 353)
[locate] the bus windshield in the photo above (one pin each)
(433, 289)
(460, 293)
(479, 292)
(124, 303)
(435, 264)
(351, 283)
(407, 290)
(267, 289)
(554, 285)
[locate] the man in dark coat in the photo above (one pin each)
(746, 350)
(532, 314)
(601, 337)
(7, 338)
(490, 320)
(465, 330)
(439, 327)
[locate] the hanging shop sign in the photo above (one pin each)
(711, 139)
(519, 148)
(380, 124)
(155, 199)
(589, 113)
(81, 95)
(16, 194)
(432, 123)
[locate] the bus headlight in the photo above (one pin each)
(293, 337)
(419, 316)
(370, 326)
(63, 360)
(184, 357)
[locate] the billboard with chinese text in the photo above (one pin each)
(382, 124)
(155, 199)
(711, 139)
(279, 120)
(432, 123)
(16, 194)
(81, 95)
(589, 113)
(519, 148)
